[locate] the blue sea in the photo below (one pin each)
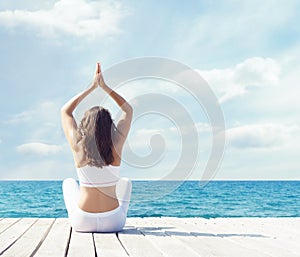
(164, 198)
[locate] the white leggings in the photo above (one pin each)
(110, 221)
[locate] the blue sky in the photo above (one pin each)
(248, 51)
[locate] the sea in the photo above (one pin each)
(164, 199)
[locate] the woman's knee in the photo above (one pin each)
(123, 190)
(125, 182)
(69, 182)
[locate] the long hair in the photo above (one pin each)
(95, 135)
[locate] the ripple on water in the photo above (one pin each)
(216, 199)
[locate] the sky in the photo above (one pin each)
(247, 51)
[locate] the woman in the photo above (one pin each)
(101, 202)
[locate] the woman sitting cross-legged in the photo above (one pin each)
(101, 202)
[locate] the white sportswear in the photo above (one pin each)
(91, 176)
(110, 221)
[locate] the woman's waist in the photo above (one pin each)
(98, 199)
(102, 213)
(101, 192)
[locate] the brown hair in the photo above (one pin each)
(95, 134)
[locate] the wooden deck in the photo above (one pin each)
(154, 237)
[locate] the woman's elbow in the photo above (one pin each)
(129, 110)
(64, 112)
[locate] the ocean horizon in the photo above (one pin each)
(158, 198)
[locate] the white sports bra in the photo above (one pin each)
(91, 176)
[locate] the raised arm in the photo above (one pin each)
(67, 119)
(124, 123)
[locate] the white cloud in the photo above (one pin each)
(203, 127)
(42, 122)
(257, 71)
(47, 110)
(233, 82)
(39, 149)
(73, 17)
(21, 117)
(43, 169)
(142, 136)
(270, 135)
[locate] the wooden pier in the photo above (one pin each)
(154, 237)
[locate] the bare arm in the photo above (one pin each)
(67, 119)
(124, 123)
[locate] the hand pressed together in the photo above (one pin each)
(98, 77)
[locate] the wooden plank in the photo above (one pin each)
(212, 241)
(286, 224)
(30, 240)
(56, 242)
(273, 242)
(206, 243)
(81, 245)
(14, 232)
(199, 246)
(233, 240)
(107, 244)
(275, 227)
(136, 244)
(6, 223)
(168, 245)
(157, 236)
